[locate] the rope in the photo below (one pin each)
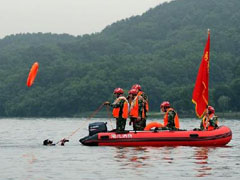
(91, 116)
(109, 116)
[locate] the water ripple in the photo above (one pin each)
(21, 152)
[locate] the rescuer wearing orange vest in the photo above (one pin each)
(209, 121)
(120, 109)
(137, 114)
(145, 97)
(171, 120)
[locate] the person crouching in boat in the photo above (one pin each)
(209, 121)
(137, 114)
(120, 109)
(171, 120)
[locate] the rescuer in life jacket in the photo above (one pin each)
(120, 109)
(145, 98)
(137, 113)
(171, 120)
(209, 121)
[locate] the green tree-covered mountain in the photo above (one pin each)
(161, 50)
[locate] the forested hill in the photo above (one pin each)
(161, 50)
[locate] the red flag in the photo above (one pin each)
(200, 92)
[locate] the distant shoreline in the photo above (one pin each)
(158, 115)
(226, 115)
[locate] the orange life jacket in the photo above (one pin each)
(206, 124)
(176, 119)
(116, 111)
(135, 108)
(145, 101)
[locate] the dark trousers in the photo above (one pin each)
(138, 125)
(120, 124)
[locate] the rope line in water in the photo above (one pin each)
(91, 116)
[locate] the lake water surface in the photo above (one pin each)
(23, 157)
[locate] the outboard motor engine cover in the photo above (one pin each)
(97, 127)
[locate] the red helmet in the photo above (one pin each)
(136, 86)
(133, 91)
(211, 109)
(165, 104)
(118, 91)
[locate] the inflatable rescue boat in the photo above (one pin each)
(99, 136)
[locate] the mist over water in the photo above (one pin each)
(23, 157)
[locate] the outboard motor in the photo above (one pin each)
(97, 127)
(92, 138)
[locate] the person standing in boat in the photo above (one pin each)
(171, 120)
(145, 98)
(120, 109)
(137, 114)
(209, 121)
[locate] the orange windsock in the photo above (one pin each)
(32, 74)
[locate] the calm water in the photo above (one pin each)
(22, 156)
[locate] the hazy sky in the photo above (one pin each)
(74, 17)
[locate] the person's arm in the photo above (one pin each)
(171, 116)
(214, 121)
(118, 104)
(140, 106)
(145, 97)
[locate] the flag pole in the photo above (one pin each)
(200, 92)
(208, 33)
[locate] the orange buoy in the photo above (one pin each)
(32, 74)
(153, 124)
